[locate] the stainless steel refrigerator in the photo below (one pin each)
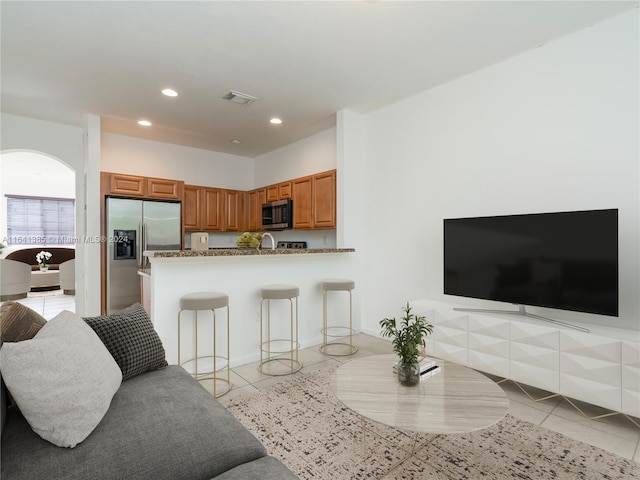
(134, 226)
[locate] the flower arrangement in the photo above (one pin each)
(42, 257)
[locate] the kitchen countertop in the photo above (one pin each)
(235, 252)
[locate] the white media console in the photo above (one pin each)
(601, 368)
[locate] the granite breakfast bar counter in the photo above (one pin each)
(241, 273)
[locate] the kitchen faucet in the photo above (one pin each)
(273, 242)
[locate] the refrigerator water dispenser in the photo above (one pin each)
(124, 244)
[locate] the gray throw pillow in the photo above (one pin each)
(131, 339)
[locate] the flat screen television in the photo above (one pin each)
(562, 260)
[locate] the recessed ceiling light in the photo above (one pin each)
(144, 123)
(235, 141)
(169, 92)
(275, 121)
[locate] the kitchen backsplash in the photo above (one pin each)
(314, 238)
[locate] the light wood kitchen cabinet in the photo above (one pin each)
(255, 200)
(163, 188)
(272, 193)
(234, 210)
(128, 185)
(212, 209)
(302, 191)
(323, 200)
(314, 201)
(192, 208)
(284, 190)
(217, 209)
(279, 191)
(146, 187)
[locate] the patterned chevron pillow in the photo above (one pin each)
(18, 323)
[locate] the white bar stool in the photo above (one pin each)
(279, 352)
(336, 337)
(217, 373)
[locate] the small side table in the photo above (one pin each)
(40, 279)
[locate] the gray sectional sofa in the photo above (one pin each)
(160, 424)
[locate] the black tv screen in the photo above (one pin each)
(564, 260)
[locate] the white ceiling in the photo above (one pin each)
(303, 60)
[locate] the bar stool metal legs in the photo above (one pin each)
(219, 361)
(279, 356)
(337, 340)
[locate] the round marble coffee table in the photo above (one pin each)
(457, 400)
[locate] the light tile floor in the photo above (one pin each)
(49, 304)
(616, 433)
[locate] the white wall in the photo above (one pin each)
(194, 166)
(553, 129)
(314, 154)
(65, 143)
(137, 156)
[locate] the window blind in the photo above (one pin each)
(40, 221)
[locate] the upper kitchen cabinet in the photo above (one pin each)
(284, 190)
(324, 200)
(144, 187)
(255, 199)
(234, 218)
(165, 189)
(314, 201)
(279, 191)
(212, 209)
(202, 208)
(272, 193)
(192, 208)
(129, 185)
(302, 191)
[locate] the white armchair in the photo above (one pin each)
(15, 279)
(68, 277)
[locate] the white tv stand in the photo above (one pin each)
(601, 367)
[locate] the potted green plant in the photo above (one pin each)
(407, 338)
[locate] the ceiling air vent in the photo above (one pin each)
(239, 98)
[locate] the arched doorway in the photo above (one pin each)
(37, 213)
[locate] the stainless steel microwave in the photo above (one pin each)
(277, 215)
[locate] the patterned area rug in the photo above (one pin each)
(301, 422)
